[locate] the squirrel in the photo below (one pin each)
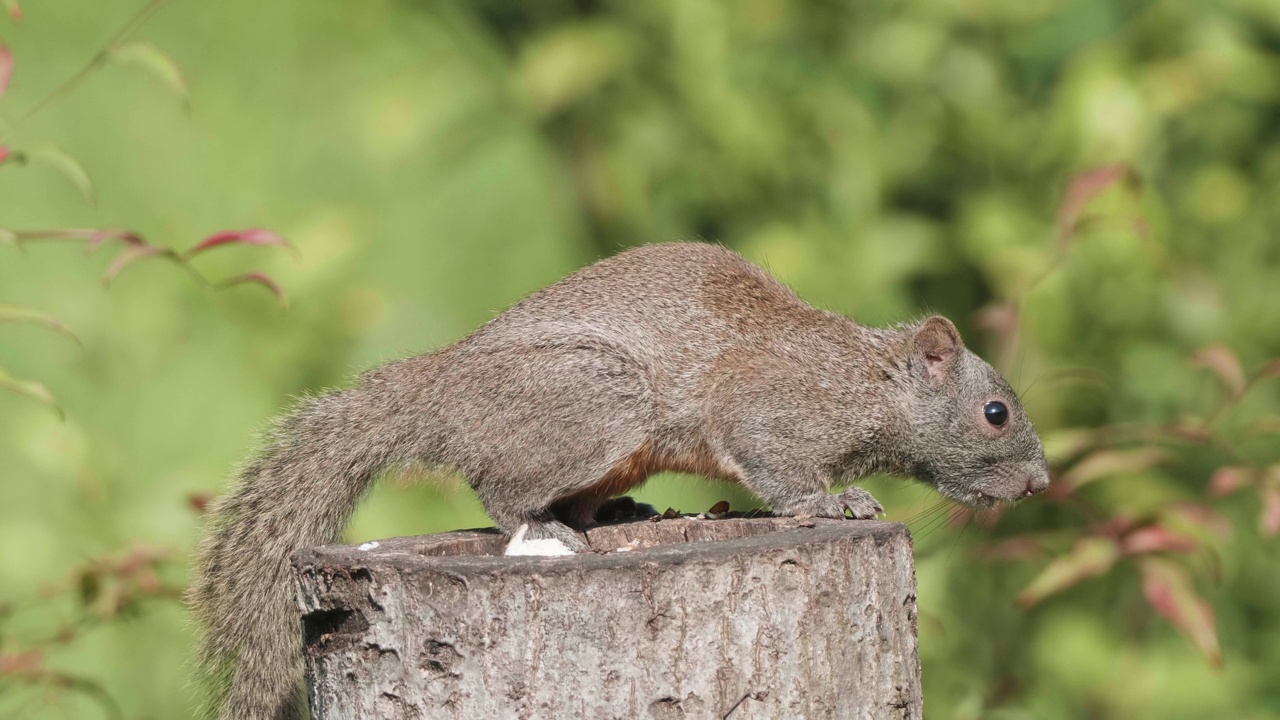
(675, 356)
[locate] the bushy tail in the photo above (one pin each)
(302, 489)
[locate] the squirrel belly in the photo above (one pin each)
(679, 356)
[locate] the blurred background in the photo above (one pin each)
(1087, 188)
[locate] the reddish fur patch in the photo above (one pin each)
(631, 471)
(644, 462)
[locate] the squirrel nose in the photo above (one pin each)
(1036, 483)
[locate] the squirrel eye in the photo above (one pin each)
(996, 413)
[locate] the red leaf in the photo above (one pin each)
(1269, 522)
(129, 256)
(252, 236)
(1116, 526)
(1000, 317)
(199, 501)
(1105, 463)
(6, 68)
(1227, 480)
(1091, 556)
(1083, 188)
(4, 154)
(23, 662)
(147, 582)
(15, 12)
(1225, 365)
(1197, 519)
(257, 278)
(1155, 538)
(1168, 589)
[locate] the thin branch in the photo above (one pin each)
(98, 60)
(94, 235)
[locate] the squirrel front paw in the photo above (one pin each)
(857, 501)
(860, 504)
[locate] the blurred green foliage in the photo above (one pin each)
(434, 161)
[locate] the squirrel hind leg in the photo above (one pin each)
(565, 520)
(556, 530)
(541, 526)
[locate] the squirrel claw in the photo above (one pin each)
(855, 500)
(860, 504)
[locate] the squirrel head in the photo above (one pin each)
(971, 438)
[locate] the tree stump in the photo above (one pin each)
(737, 618)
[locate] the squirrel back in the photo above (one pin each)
(679, 356)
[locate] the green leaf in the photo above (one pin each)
(156, 62)
(12, 314)
(68, 167)
(1091, 556)
(1264, 425)
(1066, 445)
(30, 388)
(558, 68)
(15, 12)
(1197, 520)
(1108, 463)
(257, 278)
(129, 256)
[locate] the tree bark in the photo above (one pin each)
(778, 618)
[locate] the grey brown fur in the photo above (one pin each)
(678, 356)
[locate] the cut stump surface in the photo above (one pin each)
(738, 618)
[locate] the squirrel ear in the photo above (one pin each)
(937, 343)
